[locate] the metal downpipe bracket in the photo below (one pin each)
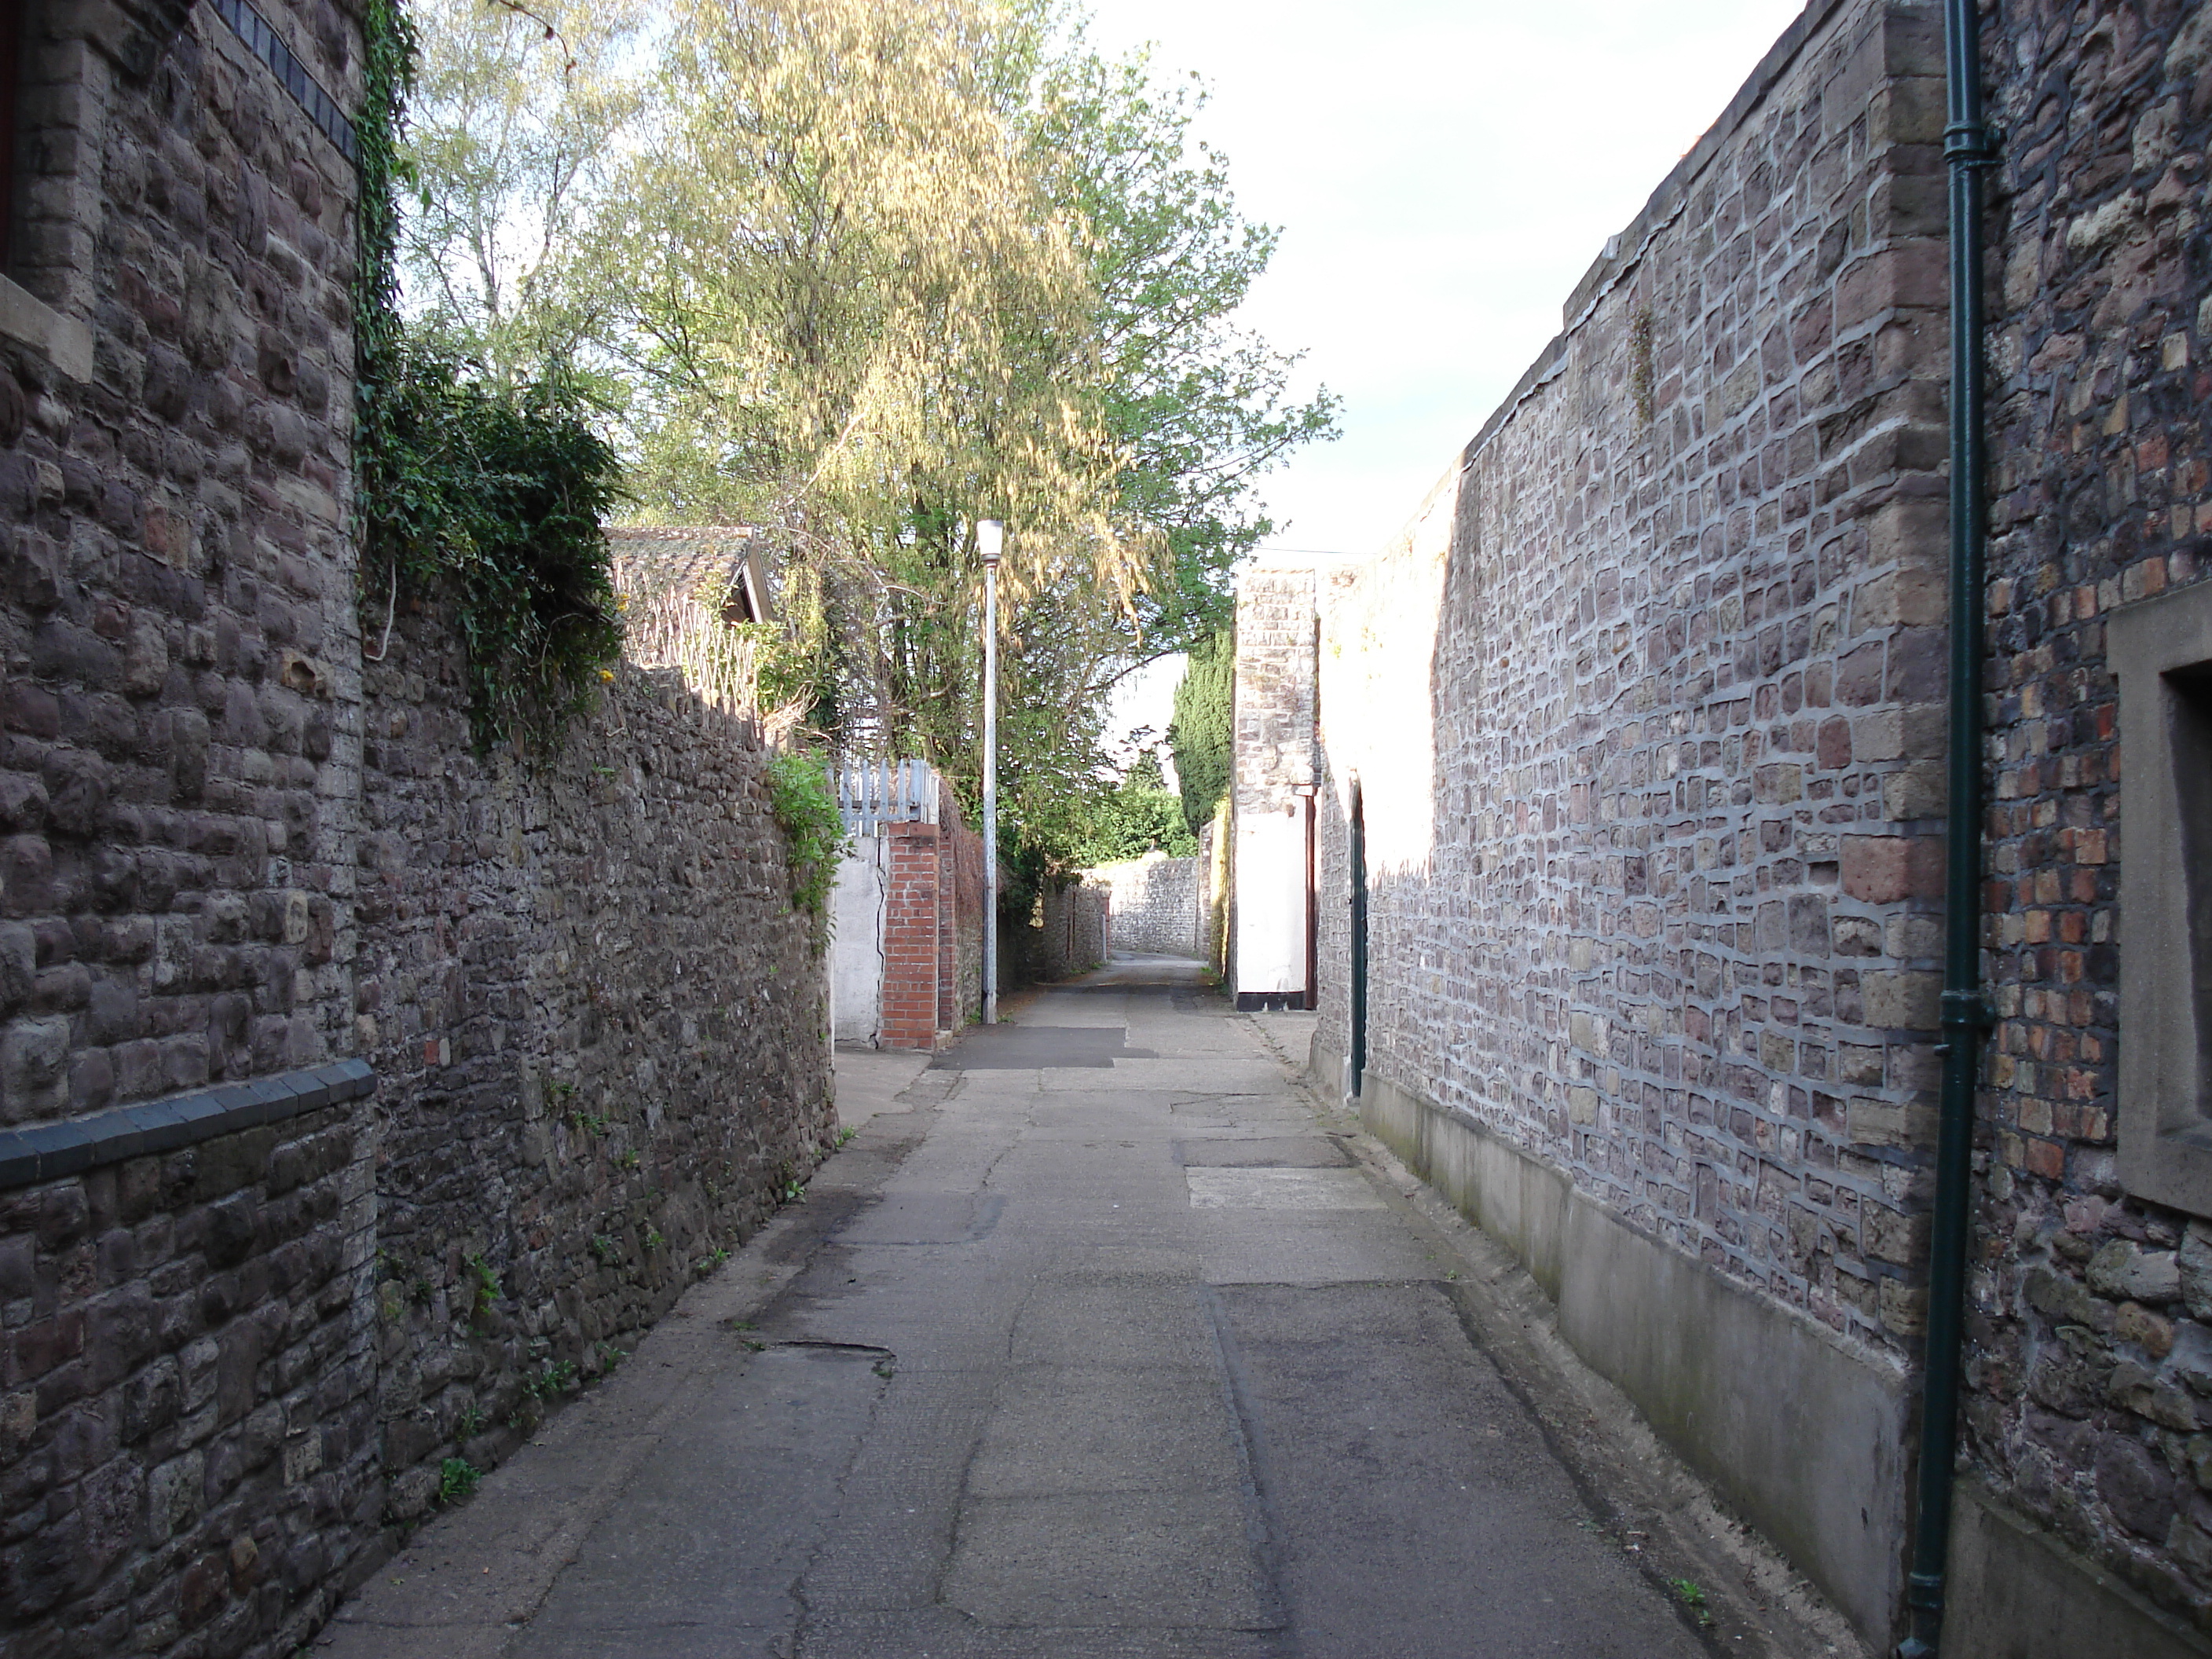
(1968, 149)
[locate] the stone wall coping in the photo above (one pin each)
(62, 341)
(47, 1151)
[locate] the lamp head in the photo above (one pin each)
(990, 535)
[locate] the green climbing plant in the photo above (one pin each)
(805, 810)
(487, 495)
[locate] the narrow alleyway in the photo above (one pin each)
(1095, 1342)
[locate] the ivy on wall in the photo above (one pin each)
(805, 809)
(487, 496)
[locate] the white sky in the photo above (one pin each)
(1444, 171)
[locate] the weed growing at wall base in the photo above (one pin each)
(456, 1479)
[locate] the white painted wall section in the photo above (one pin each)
(856, 942)
(1271, 902)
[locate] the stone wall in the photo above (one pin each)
(178, 768)
(188, 1450)
(599, 1031)
(1644, 715)
(967, 898)
(243, 1315)
(1271, 782)
(2090, 1367)
(1652, 823)
(1063, 935)
(1156, 905)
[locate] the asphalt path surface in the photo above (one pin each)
(1096, 1340)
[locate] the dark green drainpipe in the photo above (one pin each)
(1967, 149)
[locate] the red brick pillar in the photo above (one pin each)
(911, 947)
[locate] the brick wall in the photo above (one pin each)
(913, 938)
(2091, 1358)
(917, 961)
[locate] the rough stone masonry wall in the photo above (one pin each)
(966, 849)
(187, 1434)
(2089, 1371)
(597, 1023)
(1653, 832)
(1064, 936)
(600, 1034)
(179, 764)
(1154, 904)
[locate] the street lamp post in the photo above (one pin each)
(989, 536)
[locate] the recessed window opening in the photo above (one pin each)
(2187, 693)
(2162, 651)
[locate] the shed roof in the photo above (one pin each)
(722, 566)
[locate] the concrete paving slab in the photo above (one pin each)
(1291, 1247)
(1234, 1074)
(871, 1081)
(1121, 1559)
(946, 1634)
(717, 1523)
(1241, 1188)
(1057, 1430)
(1123, 1322)
(1027, 1047)
(1472, 1483)
(1242, 1151)
(910, 1218)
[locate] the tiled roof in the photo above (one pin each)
(709, 563)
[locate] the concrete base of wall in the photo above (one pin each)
(2018, 1593)
(1805, 1438)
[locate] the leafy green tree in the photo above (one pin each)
(1199, 407)
(1139, 815)
(487, 495)
(864, 275)
(518, 116)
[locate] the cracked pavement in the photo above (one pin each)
(1100, 1338)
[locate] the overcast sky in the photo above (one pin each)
(1444, 171)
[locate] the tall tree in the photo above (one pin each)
(864, 274)
(1199, 407)
(1201, 730)
(515, 143)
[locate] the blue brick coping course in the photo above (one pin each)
(47, 1151)
(264, 43)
